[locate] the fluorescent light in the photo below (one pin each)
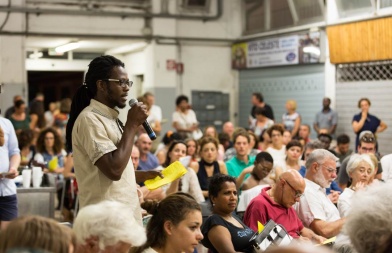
(67, 47)
(311, 50)
(127, 48)
(36, 55)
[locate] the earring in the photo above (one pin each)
(213, 204)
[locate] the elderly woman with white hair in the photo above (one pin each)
(360, 169)
(107, 227)
(369, 224)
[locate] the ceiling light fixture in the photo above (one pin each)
(67, 47)
(127, 48)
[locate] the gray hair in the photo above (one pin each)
(316, 144)
(369, 224)
(319, 156)
(111, 222)
(356, 159)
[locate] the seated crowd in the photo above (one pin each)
(271, 171)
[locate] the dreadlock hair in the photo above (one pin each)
(99, 69)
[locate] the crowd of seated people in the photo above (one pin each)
(269, 171)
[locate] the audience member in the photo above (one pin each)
(108, 227)
(19, 119)
(367, 145)
(315, 209)
(192, 149)
(326, 140)
(342, 148)
(184, 119)
(251, 151)
(37, 113)
(208, 164)
(258, 102)
(369, 223)
(304, 133)
(147, 161)
(253, 141)
(275, 203)
(61, 118)
(26, 147)
(187, 183)
(261, 121)
(49, 114)
(228, 128)
(162, 148)
(277, 149)
(225, 141)
(364, 121)
(361, 171)
(386, 162)
(1, 137)
(242, 159)
(211, 131)
(36, 232)
(223, 231)
(326, 120)
(11, 109)
(154, 113)
(286, 137)
(293, 161)
(264, 140)
(260, 173)
(174, 226)
(10, 159)
(291, 119)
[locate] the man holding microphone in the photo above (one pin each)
(100, 143)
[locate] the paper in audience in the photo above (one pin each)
(171, 173)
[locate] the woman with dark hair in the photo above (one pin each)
(174, 226)
(27, 149)
(211, 131)
(49, 147)
(184, 119)
(37, 113)
(294, 150)
(261, 122)
(224, 232)
(208, 164)
(364, 121)
(187, 183)
(19, 119)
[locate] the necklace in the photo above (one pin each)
(206, 163)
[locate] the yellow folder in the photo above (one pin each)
(171, 173)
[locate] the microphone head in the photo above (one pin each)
(132, 102)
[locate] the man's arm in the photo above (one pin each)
(1, 137)
(327, 229)
(14, 163)
(308, 233)
(113, 164)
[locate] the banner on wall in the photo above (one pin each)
(288, 50)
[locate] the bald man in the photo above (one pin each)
(148, 161)
(275, 203)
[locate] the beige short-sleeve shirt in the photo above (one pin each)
(96, 133)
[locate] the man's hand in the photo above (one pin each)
(318, 239)
(334, 196)
(12, 173)
(142, 176)
(137, 114)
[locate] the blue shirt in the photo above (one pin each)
(150, 164)
(235, 166)
(9, 149)
(371, 124)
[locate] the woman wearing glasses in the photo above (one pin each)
(365, 121)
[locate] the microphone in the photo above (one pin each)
(146, 125)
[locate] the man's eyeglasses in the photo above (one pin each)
(330, 170)
(298, 194)
(122, 83)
